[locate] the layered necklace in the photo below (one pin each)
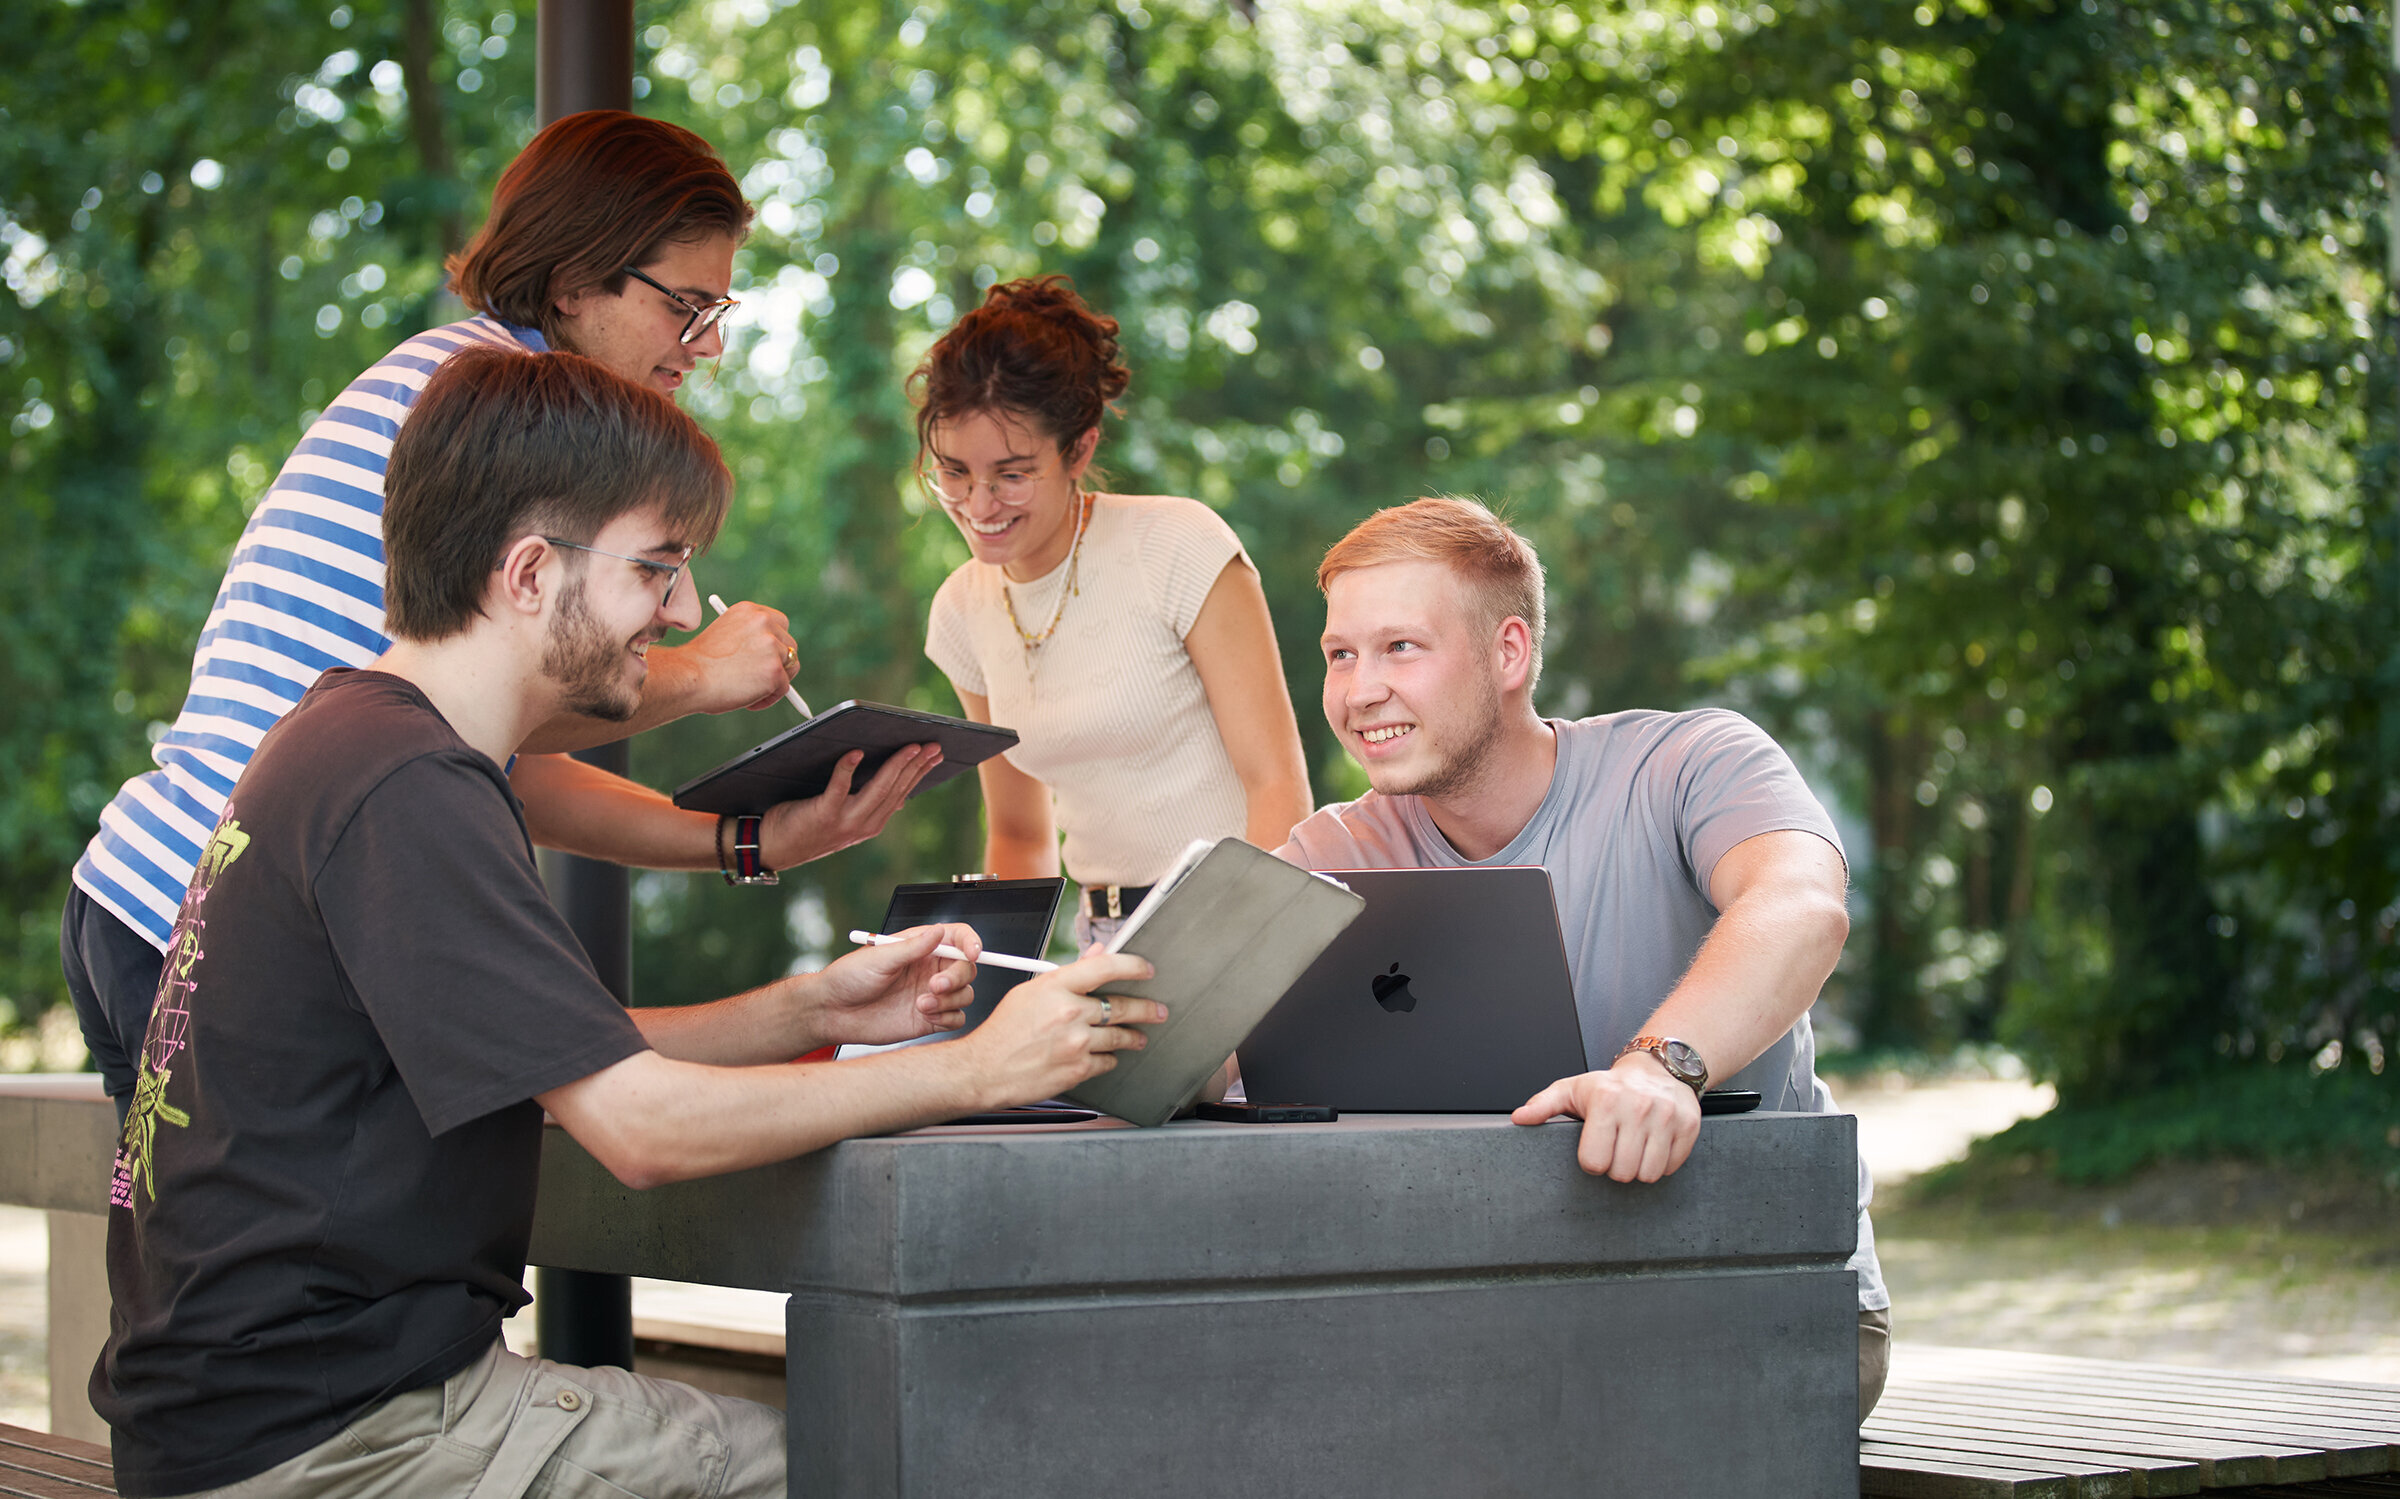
(1067, 590)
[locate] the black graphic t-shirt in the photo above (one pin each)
(326, 1183)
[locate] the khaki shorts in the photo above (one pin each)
(1874, 1358)
(506, 1427)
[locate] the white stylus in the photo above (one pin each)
(789, 690)
(945, 950)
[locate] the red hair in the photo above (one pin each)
(1499, 567)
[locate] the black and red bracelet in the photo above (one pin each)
(748, 866)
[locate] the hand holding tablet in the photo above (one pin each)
(798, 762)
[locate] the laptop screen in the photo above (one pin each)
(1011, 916)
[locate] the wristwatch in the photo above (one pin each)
(748, 866)
(1679, 1058)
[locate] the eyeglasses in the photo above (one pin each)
(1012, 487)
(702, 318)
(674, 573)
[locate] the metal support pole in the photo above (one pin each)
(584, 58)
(585, 61)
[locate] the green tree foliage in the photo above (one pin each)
(209, 218)
(2047, 420)
(1987, 394)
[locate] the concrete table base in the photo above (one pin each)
(1388, 1306)
(1533, 1387)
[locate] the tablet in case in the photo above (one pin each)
(1227, 930)
(799, 762)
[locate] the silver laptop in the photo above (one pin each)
(1449, 994)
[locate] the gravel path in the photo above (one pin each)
(2210, 1298)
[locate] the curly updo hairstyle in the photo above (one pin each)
(1032, 351)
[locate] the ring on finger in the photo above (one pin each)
(1108, 1007)
(791, 658)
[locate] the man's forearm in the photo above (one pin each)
(669, 1120)
(770, 1024)
(582, 809)
(1779, 931)
(670, 692)
(1763, 965)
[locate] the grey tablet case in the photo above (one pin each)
(799, 761)
(1450, 995)
(1226, 940)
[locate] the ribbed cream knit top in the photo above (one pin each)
(1110, 710)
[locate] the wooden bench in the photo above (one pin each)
(37, 1465)
(1965, 1423)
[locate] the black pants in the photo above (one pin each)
(112, 975)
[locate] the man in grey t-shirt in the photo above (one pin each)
(1700, 885)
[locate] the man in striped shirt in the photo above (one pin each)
(613, 236)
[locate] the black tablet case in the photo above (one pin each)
(799, 762)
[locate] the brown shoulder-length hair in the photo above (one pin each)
(592, 194)
(1033, 351)
(504, 444)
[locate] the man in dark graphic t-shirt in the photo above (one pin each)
(325, 1189)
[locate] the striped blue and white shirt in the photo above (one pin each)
(303, 594)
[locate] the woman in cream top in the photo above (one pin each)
(1125, 638)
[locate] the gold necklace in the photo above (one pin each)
(1032, 642)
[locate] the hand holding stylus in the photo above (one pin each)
(945, 950)
(789, 690)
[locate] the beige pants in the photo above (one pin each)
(506, 1427)
(1874, 1358)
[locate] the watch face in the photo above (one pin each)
(1682, 1060)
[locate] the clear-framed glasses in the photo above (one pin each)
(702, 318)
(1011, 486)
(673, 573)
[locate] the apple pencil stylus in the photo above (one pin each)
(945, 950)
(789, 690)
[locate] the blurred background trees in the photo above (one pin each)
(1994, 397)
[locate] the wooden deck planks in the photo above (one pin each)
(36, 1465)
(2332, 1488)
(2340, 1410)
(2153, 1474)
(1972, 1422)
(2290, 1453)
(2293, 1451)
(1911, 1473)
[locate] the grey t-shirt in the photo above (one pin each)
(1641, 807)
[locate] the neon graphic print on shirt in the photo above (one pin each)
(171, 1021)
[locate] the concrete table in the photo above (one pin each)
(1388, 1306)
(58, 1135)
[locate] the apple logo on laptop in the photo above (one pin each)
(1392, 992)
